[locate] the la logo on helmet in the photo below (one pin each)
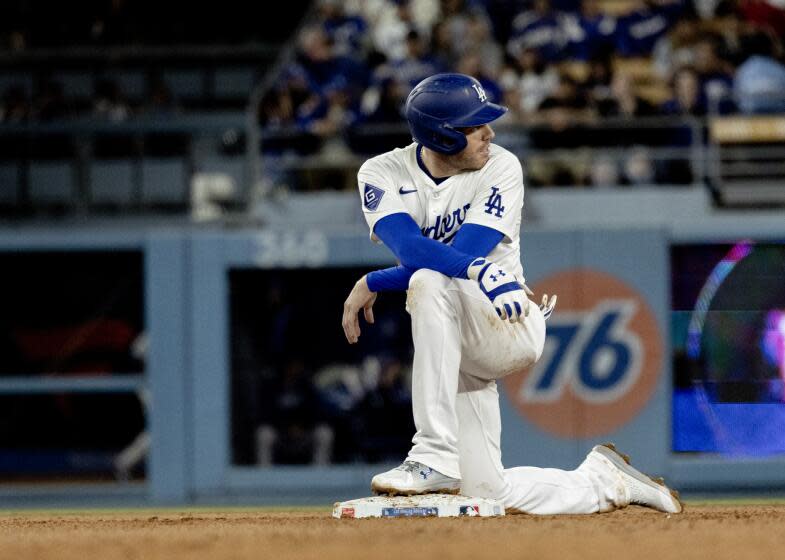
(480, 92)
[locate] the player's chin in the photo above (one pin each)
(477, 161)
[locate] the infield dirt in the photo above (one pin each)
(705, 532)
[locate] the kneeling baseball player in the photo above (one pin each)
(449, 207)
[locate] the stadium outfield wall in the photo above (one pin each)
(611, 381)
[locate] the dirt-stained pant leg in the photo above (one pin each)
(437, 352)
(521, 489)
(492, 349)
(461, 348)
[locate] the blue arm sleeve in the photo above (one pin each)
(472, 241)
(393, 279)
(476, 240)
(401, 234)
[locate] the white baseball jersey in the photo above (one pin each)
(492, 196)
(460, 345)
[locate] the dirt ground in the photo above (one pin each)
(705, 532)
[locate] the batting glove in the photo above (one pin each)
(502, 288)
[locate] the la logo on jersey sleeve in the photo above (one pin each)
(493, 205)
(372, 196)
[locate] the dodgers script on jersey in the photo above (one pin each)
(492, 196)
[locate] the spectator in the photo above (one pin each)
(590, 33)
(476, 39)
(637, 32)
(331, 113)
(598, 81)
(537, 81)
(395, 19)
(109, 102)
(472, 64)
(688, 98)
(441, 45)
(565, 105)
(638, 167)
(346, 32)
(623, 101)
(276, 110)
(759, 84)
(383, 102)
(676, 49)
(764, 14)
(561, 117)
(715, 74)
(321, 67)
(604, 172)
(416, 65)
(539, 29)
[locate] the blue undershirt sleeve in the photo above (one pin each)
(476, 240)
(401, 234)
(394, 279)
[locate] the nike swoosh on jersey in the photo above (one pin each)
(403, 191)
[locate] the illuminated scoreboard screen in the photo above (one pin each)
(728, 348)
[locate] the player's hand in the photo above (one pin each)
(547, 306)
(505, 292)
(359, 298)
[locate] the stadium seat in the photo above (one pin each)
(75, 84)
(112, 183)
(132, 83)
(749, 159)
(52, 183)
(185, 84)
(164, 182)
(617, 7)
(233, 167)
(233, 83)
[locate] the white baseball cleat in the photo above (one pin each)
(412, 478)
(639, 488)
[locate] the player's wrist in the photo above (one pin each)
(476, 268)
(367, 283)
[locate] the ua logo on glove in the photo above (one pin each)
(508, 296)
(503, 289)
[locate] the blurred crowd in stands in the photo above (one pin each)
(548, 60)
(574, 73)
(545, 59)
(565, 68)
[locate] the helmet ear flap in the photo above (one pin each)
(451, 141)
(437, 136)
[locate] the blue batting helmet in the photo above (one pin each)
(440, 104)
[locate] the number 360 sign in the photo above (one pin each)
(601, 362)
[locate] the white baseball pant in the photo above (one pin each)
(461, 348)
